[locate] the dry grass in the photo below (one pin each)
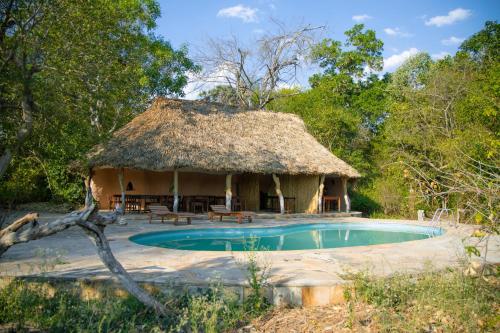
(210, 137)
(325, 319)
(432, 302)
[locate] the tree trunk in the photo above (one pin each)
(320, 193)
(279, 194)
(176, 191)
(347, 201)
(229, 194)
(5, 161)
(122, 190)
(24, 131)
(88, 193)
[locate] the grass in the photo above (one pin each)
(447, 301)
(64, 306)
(61, 308)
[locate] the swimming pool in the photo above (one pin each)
(286, 238)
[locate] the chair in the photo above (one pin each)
(221, 211)
(164, 212)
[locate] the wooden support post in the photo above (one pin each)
(122, 189)
(320, 193)
(176, 191)
(88, 188)
(347, 201)
(280, 195)
(229, 193)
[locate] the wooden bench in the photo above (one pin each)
(221, 211)
(164, 212)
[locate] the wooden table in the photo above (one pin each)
(138, 202)
(328, 203)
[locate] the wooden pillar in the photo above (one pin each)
(88, 188)
(176, 191)
(320, 193)
(122, 190)
(229, 193)
(279, 194)
(347, 201)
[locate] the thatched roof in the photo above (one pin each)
(211, 137)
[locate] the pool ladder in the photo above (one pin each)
(436, 219)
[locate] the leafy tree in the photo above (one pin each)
(441, 137)
(343, 111)
(72, 72)
(221, 94)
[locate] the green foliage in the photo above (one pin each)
(221, 94)
(361, 49)
(256, 302)
(60, 308)
(416, 135)
(441, 301)
(484, 46)
(94, 65)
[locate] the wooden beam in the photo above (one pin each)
(347, 201)
(88, 187)
(122, 189)
(279, 193)
(229, 193)
(320, 193)
(176, 191)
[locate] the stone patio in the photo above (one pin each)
(71, 255)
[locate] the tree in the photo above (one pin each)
(362, 50)
(72, 72)
(221, 94)
(345, 107)
(442, 131)
(255, 72)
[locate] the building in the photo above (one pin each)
(187, 154)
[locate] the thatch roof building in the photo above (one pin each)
(209, 137)
(199, 138)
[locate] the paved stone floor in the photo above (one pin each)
(71, 254)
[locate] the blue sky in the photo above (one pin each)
(406, 27)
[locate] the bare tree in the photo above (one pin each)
(256, 72)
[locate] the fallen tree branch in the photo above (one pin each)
(93, 223)
(96, 234)
(18, 224)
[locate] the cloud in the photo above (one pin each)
(361, 17)
(452, 41)
(453, 16)
(394, 61)
(440, 55)
(247, 14)
(396, 32)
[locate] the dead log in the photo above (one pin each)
(96, 234)
(93, 223)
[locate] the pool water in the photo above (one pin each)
(285, 238)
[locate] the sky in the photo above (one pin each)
(406, 27)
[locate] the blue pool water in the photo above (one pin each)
(283, 238)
